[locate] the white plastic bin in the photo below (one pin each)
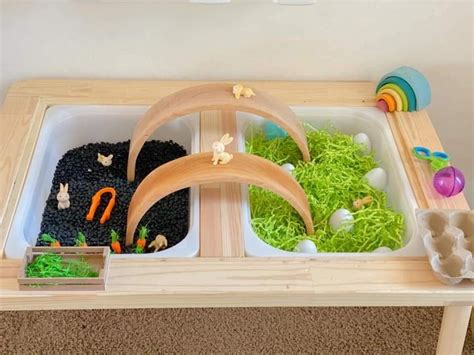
(351, 121)
(67, 127)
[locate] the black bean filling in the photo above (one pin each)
(85, 175)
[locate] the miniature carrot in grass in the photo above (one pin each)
(80, 240)
(142, 235)
(115, 245)
(45, 237)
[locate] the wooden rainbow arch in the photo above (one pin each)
(197, 169)
(213, 97)
(403, 89)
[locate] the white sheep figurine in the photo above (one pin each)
(220, 156)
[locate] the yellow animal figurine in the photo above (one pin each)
(239, 90)
(358, 204)
(159, 243)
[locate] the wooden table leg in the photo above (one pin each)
(453, 330)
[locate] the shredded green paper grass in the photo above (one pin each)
(53, 265)
(332, 180)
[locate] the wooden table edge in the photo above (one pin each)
(29, 99)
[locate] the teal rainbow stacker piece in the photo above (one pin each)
(404, 86)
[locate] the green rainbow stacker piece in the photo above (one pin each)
(404, 89)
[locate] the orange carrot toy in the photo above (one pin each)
(115, 245)
(49, 239)
(80, 240)
(142, 235)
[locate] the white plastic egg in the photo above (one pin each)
(376, 178)
(306, 246)
(382, 250)
(341, 218)
(363, 140)
(289, 168)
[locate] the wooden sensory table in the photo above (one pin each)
(222, 276)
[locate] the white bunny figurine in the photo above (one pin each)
(63, 197)
(105, 160)
(220, 156)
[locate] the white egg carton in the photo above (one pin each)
(448, 237)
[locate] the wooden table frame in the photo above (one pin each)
(222, 276)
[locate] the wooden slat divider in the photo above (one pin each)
(221, 223)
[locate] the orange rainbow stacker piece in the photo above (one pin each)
(96, 201)
(389, 100)
(394, 89)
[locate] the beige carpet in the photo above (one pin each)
(285, 330)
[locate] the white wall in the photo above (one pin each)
(332, 40)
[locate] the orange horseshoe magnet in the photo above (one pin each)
(96, 201)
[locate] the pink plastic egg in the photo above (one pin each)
(449, 181)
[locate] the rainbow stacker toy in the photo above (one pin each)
(404, 89)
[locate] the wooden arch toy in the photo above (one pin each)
(213, 97)
(197, 169)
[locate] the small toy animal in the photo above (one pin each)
(358, 204)
(105, 160)
(220, 156)
(159, 243)
(239, 90)
(63, 197)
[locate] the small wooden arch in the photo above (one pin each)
(197, 169)
(213, 97)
